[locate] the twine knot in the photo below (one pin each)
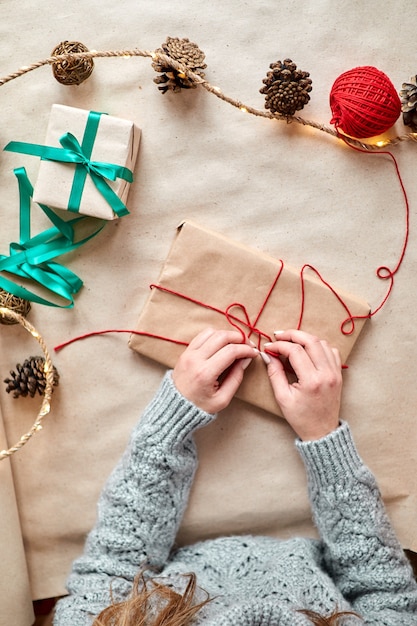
(236, 322)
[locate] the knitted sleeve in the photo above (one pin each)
(140, 508)
(361, 552)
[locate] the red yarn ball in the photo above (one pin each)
(364, 102)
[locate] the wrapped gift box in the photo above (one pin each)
(205, 273)
(117, 142)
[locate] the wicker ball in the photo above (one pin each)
(72, 71)
(15, 304)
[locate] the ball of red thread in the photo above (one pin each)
(364, 102)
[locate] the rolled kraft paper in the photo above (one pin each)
(15, 594)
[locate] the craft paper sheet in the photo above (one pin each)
(15, 592)
(287, 190)
(209, 280)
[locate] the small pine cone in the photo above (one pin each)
(286, 88)
(185, 52)
(408, 95)
(29, 378)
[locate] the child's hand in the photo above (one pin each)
(311, 404)
(210, 370)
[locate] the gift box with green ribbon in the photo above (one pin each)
(87, 162)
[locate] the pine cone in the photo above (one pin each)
(29, 378)
(185, 52)
(408, 95)
(286, 88)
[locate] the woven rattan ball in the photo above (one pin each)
(13, 303)
(72, 71)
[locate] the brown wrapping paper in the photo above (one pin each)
(117, 142)
(210, 269)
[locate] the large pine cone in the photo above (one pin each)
(286, 88)
(408, 95)
(185, 52)
(29, 378)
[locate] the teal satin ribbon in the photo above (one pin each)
(32, 257)
(79, 155)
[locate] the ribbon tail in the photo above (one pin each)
(112, 198)
(56, 278)
(26, 294)
(63, 226)
(34, 262)
(48, 153)
(25, 196)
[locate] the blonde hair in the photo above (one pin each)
(175, 609)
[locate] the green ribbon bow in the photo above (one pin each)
(79, 155)
(32, 257)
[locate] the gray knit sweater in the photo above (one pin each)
(356, 564)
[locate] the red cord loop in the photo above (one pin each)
(384, 272)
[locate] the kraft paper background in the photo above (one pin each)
(287, 190)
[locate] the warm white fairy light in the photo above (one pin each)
(45, 409)
(154, 55)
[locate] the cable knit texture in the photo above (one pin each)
(356, 564)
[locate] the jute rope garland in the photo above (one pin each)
(49, 376)
(92, 54)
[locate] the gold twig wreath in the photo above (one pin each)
(198, 80)
(49, 377)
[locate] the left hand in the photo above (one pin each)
(210, 370)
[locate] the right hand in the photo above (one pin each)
(311, 404)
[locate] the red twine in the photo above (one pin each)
(233, 319)
(364, 102)
(383, 272)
